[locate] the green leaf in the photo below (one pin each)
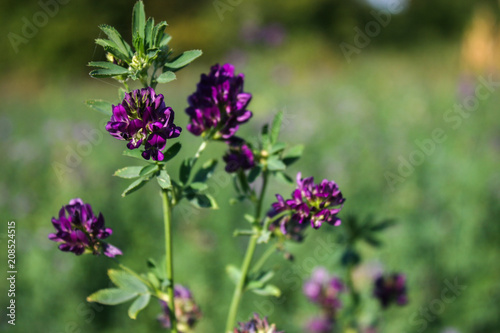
(185, 170)
(128, 172)
(121, 94)
(254, 173)
(153, 279)
(158, 270)
(183, 60)
(283, 177)
(106, 73)
(268, 290)
(163, 180)
(276, 127)
(372, 241)
(164, 40)
(275, 164)
(111, 47)
(234, 273)
(148, 33)
(382, 225)
(203, 201)
(264, 237)
(127, 281)
(158, 33)
(277, 147)
(265, 136)
(293, 154)
(166, 77)
(265, 277)
(138, 20)
(249, 218)
(172, 152)
(107, 65)
(206, 171)
(135, 153)
(134, 186)
(139, 304)
(111, 296)
(102, 106)
(197, 186)
(117, 40)
(148, 170)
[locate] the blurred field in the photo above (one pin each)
(357, 120)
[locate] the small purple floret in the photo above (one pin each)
(143, 119)
(311, 204)
(219, 105)
(391, 289)
(79, 230)
(324, 289)
(187, 311)
(239, 156)
(256, 325)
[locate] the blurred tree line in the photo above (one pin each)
(58, 35)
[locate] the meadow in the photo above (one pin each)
(360, 122)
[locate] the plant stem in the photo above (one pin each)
(238, 291)
(167, 218)
(269, 252)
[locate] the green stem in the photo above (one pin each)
(258, 208)
(167, 218)
(269, 252)
(238, 291)
(125, 84)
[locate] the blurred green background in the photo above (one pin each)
(359, 116)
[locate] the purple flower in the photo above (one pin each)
(239, 156)
(389, 289)
(187, 311)
(324, 289)
(256, 325)
(80, 231)
(143, 119)
(310, 203)
(320, 325)
(219, 105)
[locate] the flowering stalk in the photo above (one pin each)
(245, 268)
(167, 218)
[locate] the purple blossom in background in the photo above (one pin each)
(272, 34)
(143, 119)
(239, 156)
(219, 105)
(310, 203)
(320, 325)
(79, 230)
(324, 289)
(256, 325)
(187, 311)
(389, 289)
